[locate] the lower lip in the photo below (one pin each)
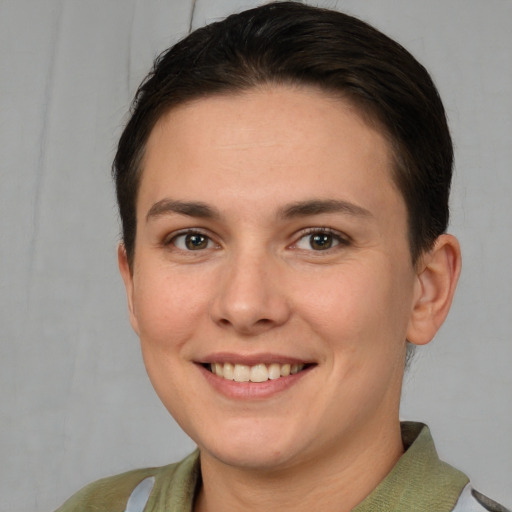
(252, 390)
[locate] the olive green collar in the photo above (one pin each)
(419, 481)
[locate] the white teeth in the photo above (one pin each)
(285, 370)
(257, 373)
(227, 371)
(274, 371)
(242, 373)
(219, 369)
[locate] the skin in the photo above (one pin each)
(263, 169)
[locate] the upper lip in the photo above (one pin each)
(252, 359)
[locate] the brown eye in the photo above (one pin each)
(192, 242)
(321, 241)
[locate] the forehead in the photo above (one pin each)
(270, 140)
(265, 104)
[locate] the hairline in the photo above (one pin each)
(369, 116)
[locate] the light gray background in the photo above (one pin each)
(75, 402)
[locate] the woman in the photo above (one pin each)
(283, 187)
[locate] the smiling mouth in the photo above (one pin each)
(255, 373)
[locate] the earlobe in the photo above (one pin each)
(127, 275)
(437, 278)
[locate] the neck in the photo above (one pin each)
(333, 482)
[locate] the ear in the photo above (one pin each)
(438, 273)
(127, 275)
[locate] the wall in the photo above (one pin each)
(75, 402)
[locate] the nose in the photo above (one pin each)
(251, 297)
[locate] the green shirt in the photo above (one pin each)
(420, 481)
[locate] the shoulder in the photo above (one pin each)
(112, 493)
(471, 500)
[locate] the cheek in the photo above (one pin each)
(360, 306)
(170, 309)
(168, 306)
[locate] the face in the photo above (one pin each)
(272, 284)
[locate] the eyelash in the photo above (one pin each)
(339, 239)
(171, 241)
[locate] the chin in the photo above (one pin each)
(250, 458)
(265, 449)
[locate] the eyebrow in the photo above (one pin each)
(297, 209)
(189, 208)
(319, 206)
